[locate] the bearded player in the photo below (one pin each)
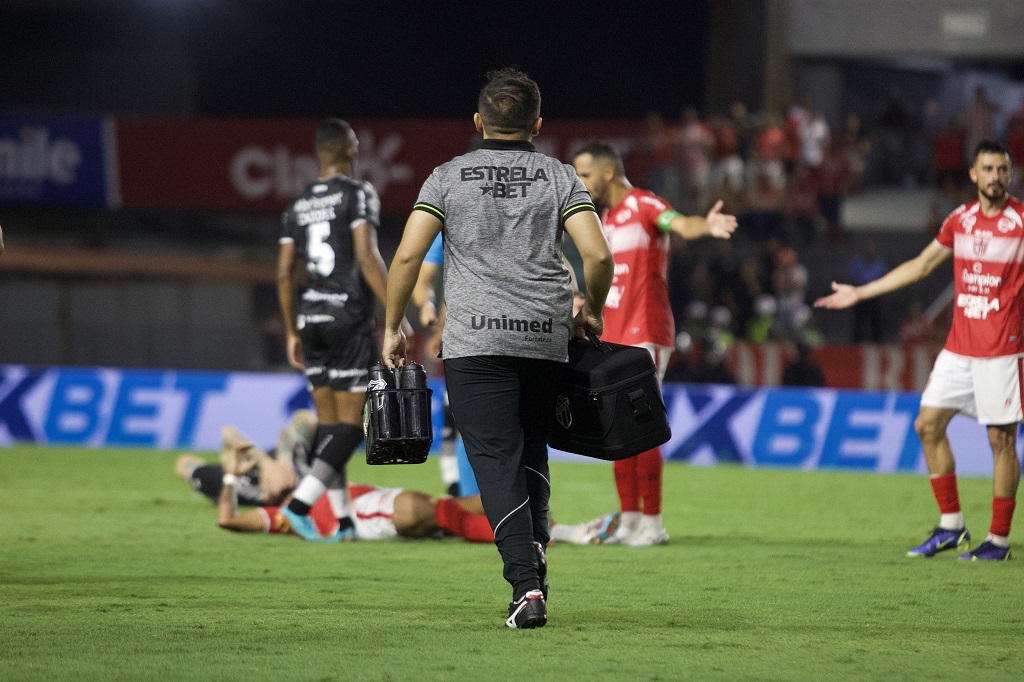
(978, 372)
(637, 224)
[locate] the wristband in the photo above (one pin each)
(230, 479)
(665, 219)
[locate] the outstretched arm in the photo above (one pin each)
(715, 224)
(908, 272)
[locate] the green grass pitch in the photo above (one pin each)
(112, 569)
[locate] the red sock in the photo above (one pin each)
(1002, 515)
(627, 484)
(946, 494)
(650, 465)
(452, 517)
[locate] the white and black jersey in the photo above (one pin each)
(319, 222)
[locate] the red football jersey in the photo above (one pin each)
(637, 309)
(988, 273)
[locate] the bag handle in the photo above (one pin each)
(598, 343)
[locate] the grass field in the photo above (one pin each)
(112, 569)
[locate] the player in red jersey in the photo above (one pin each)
(637, 224)
(978, 372)
(378, 513)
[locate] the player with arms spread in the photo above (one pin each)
(637, 224)
(332, 228)
(978, 372)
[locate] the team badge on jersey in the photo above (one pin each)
(981, 240)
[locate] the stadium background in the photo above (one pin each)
(147, 147)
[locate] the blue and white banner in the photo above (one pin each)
(57, 160)
(774, 427)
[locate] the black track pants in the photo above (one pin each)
(502, 406)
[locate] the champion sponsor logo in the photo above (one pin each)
(504, 182)
(983, 279)
(622, 268)
(505, 323)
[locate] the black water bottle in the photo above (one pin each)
(413, 382)
(384, 412)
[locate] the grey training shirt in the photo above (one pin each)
(506, 288)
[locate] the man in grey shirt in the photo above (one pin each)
(503, 209)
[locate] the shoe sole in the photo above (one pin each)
(921, 555)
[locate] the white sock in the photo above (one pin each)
(629, 522)
(951, 521)
(449, 468)
(651, 521)
(338, 498)
(998, 540)
(310, 489)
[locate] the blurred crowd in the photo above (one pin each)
(785, 177)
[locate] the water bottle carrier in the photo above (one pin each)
(398, 425)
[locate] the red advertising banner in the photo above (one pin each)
(260, 165)
(886, 367)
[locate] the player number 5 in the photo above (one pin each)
(321, 255)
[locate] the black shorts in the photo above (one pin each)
(337, 354)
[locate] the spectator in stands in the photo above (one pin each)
(948, 155)
(833, 185)
(979, 123)
(1, 241)
(791, 291)
(865, 267)
(893, 132)
(803, 369)
(917, 327)
(651, 160)
(746, 288)
(765, 183)
(711, 366)
(801, 205)
(1015, 145)
(727, 172)
(814, 135)
(694, 143)
(857, 147)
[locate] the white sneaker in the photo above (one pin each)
(647, 536)
(629, 525)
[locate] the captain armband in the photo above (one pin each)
(665, 219)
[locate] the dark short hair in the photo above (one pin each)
(333, 137)
(989, 146)
(510, 102)
(606, 152)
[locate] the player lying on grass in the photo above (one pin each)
(265, 478)
(378, 513)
